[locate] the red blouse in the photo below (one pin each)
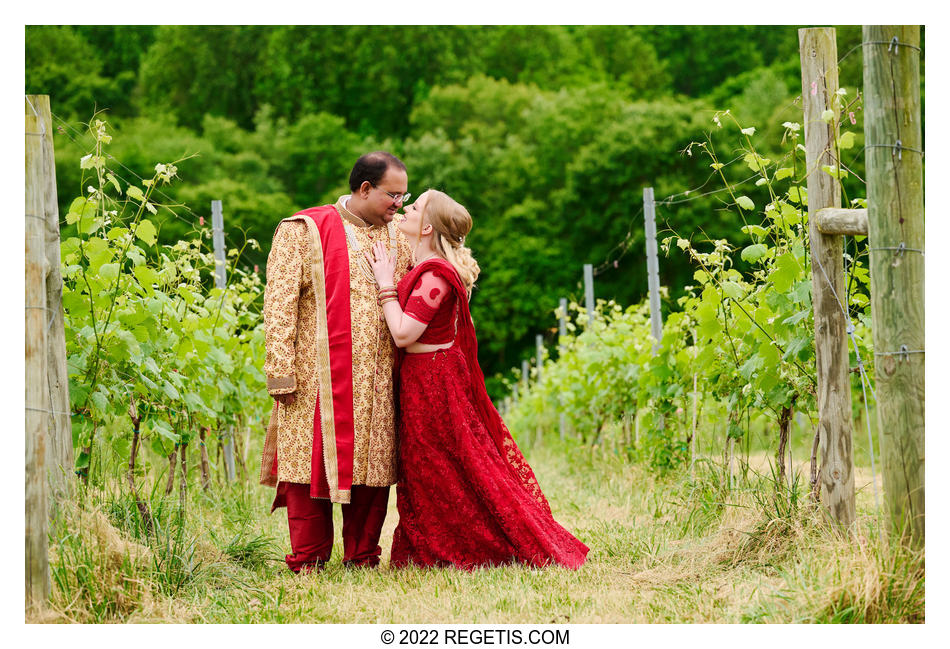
(432, 302)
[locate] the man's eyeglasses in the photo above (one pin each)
(398, 198)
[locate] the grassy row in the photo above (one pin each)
(674, 548)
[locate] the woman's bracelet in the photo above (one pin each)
(388, 287)
(384, 301)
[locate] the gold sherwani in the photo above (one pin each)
(290, 317)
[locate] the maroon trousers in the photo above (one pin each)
(311, 526)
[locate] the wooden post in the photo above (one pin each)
(221, 282)
(819, 60)
(896, 241)
(37, 390)
(692, 437)
(853, 223)
(539, 353)
(589, 292)
(525, 373)
(562, 319)
(59, 458)
(562, 332)
(653, 267)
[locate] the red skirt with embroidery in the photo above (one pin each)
(460, 502)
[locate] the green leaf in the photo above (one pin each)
(785, 273)
(754, 252)
(135, 193)
(784, 172)
(846, 141)
(146, 232)
(770, 355)
(194, 402)
(163, 429)
(828, 116)
(798, 194)
(755, 162)
(154, 305)
(796, 346)
(797, 317)
(834, 171)
(791, 215)
(135, 254)
(749, 131)
(745, 203)
(145, 275)
(82, 461)
(755, 230)
(170, 391)
(89, 224)
(115, 183)
(734, 431)
(100, 401)
(732, 289)
(109, 271)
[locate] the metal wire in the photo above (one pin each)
(900, 352)
(901, 249)
(49, 412)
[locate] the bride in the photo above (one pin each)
(466, 496)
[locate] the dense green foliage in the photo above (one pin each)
(740, 345)
(151, 345)
(548, 134)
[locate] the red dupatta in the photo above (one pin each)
(468, 344)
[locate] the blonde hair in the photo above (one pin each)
(451, 223)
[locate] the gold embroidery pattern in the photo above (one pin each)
(374, 420)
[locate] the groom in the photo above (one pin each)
(329, 366)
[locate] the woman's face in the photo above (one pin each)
(410, 223)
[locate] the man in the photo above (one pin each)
(329, 367)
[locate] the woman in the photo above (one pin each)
(466, 497)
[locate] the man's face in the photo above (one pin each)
(381, 207)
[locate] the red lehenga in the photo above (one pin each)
(466, 496)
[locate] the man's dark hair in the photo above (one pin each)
(372, 167)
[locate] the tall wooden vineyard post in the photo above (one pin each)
(819, 61)
(653, 267)
(561, 334)
(894, 159)
(37, 393)
(221, 282)
(589, 293)
(59, 452)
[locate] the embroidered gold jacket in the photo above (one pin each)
(292, 362)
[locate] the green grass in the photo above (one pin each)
(672, 548)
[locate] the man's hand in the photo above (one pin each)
(286, 399)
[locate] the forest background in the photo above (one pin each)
(548, 134)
